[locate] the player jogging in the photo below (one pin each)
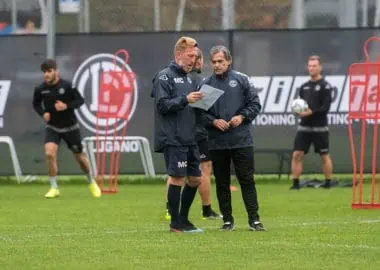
(55, 101)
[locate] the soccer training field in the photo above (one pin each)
(307, 229)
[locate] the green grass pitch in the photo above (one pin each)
(307, 229)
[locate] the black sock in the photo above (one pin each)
(174, 198)
(187, 199)
(206, 209)
(327, 182)
(296, 182)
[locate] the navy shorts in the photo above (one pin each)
(182, 161)
(304, 140)
(203, 150)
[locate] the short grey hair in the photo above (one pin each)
(221, 49)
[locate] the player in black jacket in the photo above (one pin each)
(229, 126)
(174, 132)
(55, 101)
(313, 128)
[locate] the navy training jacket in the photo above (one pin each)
(175, 121)
(239, 97)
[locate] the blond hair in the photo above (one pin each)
(183, 43)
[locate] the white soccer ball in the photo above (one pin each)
(299, 105)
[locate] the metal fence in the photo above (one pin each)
(30, 16)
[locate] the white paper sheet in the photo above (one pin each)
(211, 95)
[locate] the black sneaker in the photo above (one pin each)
(256, 226)
(295, 187)
(228, 226)
(326, 185)
(211, 215)
(189, 227)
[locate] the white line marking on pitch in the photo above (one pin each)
(331, 222)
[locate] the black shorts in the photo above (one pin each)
(320, 140)
(182, 161)
(72, 138)
(203, 150)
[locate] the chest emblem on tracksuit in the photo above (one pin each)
(233, 83)
(163, 77)
(179, 80)
(317, 87)
(61, 91)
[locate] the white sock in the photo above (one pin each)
(53, 181)
(89, 178)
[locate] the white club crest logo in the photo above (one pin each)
(233, 83)
(163, 77)
(87, 81)
(61, 91)
(317, 87)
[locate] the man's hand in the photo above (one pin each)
(60, 106)
(194, 96)
(236, 120)
(221, 124)
(306, 113)
(46, 117)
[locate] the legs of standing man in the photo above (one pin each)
(302, 144)
(204, 187)
(221, 162)
(182, 162)
(297, 164)
(321, 145)
(174, 198)
(327, 169)
(187, 198)
(205, 191)
(243, 159)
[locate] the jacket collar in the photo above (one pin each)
(224, 75)
(173, 65)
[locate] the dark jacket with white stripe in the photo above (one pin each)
(239, 98)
